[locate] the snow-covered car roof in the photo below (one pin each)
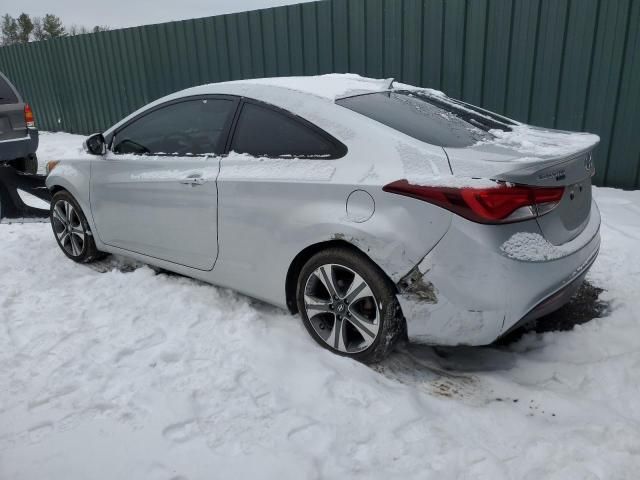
(329, 87)
(301, 95)
(313, 97)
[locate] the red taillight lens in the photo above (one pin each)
(497, 204)
(28, 116)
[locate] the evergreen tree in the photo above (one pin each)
(25, 27)
(52, 26)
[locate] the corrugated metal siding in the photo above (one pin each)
(569, 64)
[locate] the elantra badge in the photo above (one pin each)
(557, 174)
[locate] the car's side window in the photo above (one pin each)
(191, 127)
(262, 131)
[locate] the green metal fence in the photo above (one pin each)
(569, 64)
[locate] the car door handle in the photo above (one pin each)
(193, 180)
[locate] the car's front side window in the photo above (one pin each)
(191, 127)
(262, 131)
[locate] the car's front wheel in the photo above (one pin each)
(71, 229)
(349, 306)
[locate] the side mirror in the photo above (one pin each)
(95, 144)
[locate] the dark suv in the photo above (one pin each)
(18, 135)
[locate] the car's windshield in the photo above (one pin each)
(437, 120)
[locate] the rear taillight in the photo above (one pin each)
(28, 116)
(500, 204)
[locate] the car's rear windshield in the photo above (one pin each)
(6, 93)
(434, 119)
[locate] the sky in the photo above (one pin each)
(129, 13)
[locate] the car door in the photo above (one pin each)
(277, 160)
(155, 191)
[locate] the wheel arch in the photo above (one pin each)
(58, 188)
(302, 257)
(57, 184)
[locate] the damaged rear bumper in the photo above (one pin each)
(470, 290)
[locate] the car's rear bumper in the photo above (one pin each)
(471, 289)
(15, 148)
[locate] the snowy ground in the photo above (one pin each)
(118, 372)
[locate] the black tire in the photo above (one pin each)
(391, 324)
(28, 164)
(88, 252)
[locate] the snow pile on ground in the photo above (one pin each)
(119, 371)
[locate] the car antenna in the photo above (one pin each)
(390, 84)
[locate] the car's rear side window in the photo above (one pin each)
(191, 127)
(6, 93)
(263, 131)
(418, 117)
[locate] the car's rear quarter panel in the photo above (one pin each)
(265, 223)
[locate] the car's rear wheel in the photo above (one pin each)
(349, 306)
(71, 229)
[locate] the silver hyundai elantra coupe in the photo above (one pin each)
(375, 210)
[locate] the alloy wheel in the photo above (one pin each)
(67, 226)
(342, 308)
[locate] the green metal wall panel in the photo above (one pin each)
(569, 64)
(474, 58)
(625, 137)
(412, 42)
(357, 35)
(453, 47)
(324, 20)
(524, 37)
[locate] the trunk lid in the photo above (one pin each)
(12, 124)
(539, 157)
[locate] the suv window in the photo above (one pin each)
(6, 93)
(263, 131)
(437, 121)
(192, 127)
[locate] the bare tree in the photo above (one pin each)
(9, 30)
(38, 31)
(76, 30)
